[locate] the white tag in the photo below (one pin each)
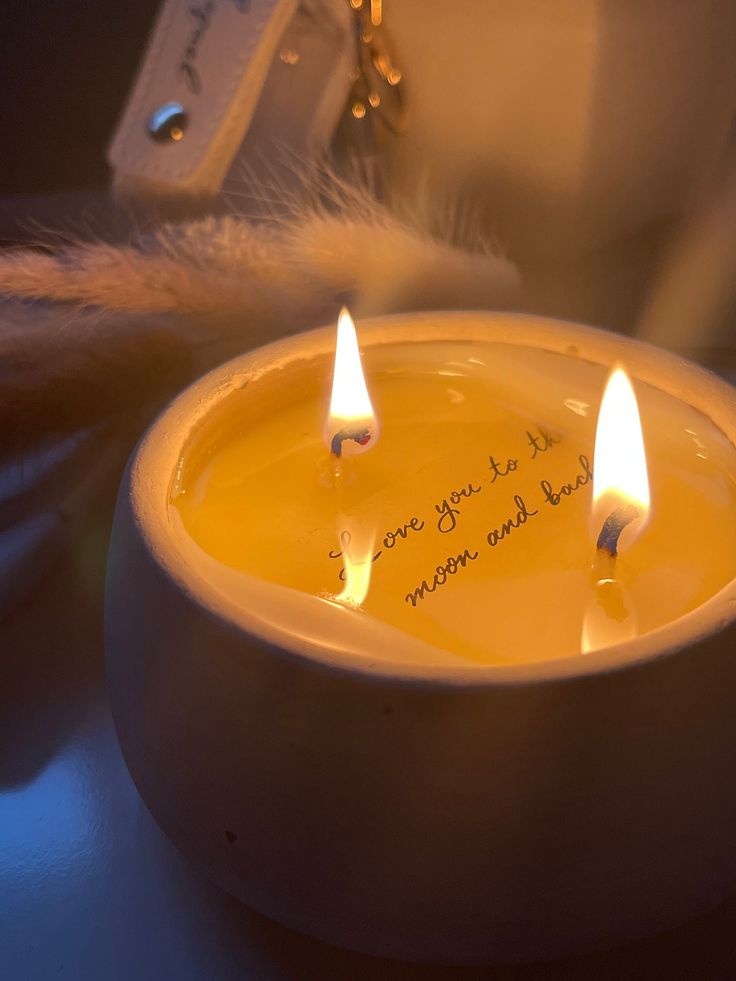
(211, 57)
(303, 98)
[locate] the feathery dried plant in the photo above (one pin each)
(114, 326)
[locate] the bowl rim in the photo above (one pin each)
(148, 480)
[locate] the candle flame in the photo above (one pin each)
(620, 478)
(351, 426)
(357, 557)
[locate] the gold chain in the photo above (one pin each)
(376, 91)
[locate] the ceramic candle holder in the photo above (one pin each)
(414, 808)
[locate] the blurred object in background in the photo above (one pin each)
(580, 130)
(572, 124)
(577, 132)
(691, 307)
(256, 88)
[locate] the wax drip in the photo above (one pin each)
(360, 436)
(612, 528)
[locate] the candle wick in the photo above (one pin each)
(360, 436)
(612, 528)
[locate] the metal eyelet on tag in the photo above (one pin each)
(209, 67)
(168, 123)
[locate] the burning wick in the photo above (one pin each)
(360, 436)
(351, 426)
(612, 528)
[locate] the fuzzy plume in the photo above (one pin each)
(59, 376)
(122, 325)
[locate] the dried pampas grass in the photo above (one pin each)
(61, 373)
(95, 334)
(116, 326)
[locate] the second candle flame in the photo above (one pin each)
(620, 478)
(351, 426)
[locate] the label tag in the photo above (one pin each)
(209, 59)
(303, 99)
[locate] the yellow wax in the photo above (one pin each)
(478, 548)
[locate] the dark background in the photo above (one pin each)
(66, 69)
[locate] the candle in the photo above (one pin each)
(533, 758)
(475, 502)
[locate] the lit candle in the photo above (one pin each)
(434, 769)
(477, 495)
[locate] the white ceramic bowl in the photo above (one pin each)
(440, 814)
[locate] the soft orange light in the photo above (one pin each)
(351, 426)
(620, 475)
(610, 617)
(357, 557)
